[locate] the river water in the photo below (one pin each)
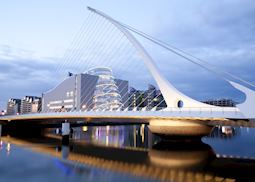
(128, 153)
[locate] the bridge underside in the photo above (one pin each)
(117, 117)
(174, 123)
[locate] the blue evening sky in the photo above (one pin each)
(34, 36)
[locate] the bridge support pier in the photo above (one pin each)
(179, 128)
(0, 130)
(65, 133)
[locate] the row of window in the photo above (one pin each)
(60, 107)
(70, 94)
(60, 101)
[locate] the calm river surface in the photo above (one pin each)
(128, 153)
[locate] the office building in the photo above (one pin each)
(36, 105)
(27, 104)
(149, 99)
(13, 106)
(221, 102)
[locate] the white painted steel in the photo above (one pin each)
(169, 92)
(247, 107)
(195, 113)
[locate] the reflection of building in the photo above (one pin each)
(30, 104)
(224, 132)
(13, 106)
(108, 135)
(128, 135)
(221, 102)
(77, 92)
(149, 98)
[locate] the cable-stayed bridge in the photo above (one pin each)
(183, 115)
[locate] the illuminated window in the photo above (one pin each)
(69, 100)
(56, 102)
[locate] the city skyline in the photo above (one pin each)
(21, 55)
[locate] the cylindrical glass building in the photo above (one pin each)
(106, 95)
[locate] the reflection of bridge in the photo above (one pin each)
(183, 114)
(170, 161)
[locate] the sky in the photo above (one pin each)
(35, 36)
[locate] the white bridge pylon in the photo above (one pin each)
(173, 97)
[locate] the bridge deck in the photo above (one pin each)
(206, 117)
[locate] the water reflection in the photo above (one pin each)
(189, 155)
(134, 150)
(224, 132)
(8, 148)
(118, 136)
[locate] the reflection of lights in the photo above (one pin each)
(228, 130)
(107, 140)
(1, 144)
(84, 128)
(107, 130)
(134, 135)
(8, 148)
(142, 132)
(108, 135)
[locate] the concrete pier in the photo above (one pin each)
(65, 133)
(179, 128)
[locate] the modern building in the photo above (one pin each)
(136, 98)
(159, 101)
(36, 105)
(13, 106)
(95, 89)
(30, 104)
(150, 98)
(107, 91)
(221, 102)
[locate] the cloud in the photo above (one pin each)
(20, 75)
(219, 32)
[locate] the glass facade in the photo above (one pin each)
(106, 96)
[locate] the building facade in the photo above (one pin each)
(107, 92)
(221, 102)
(13, 106)
(81, 92)
(147, 99)
(30, 104)
(36, 105)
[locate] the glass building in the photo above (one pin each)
(106, 95)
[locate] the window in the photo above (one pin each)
(68, 100)
(56, 102)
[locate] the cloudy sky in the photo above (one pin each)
(35, 36)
